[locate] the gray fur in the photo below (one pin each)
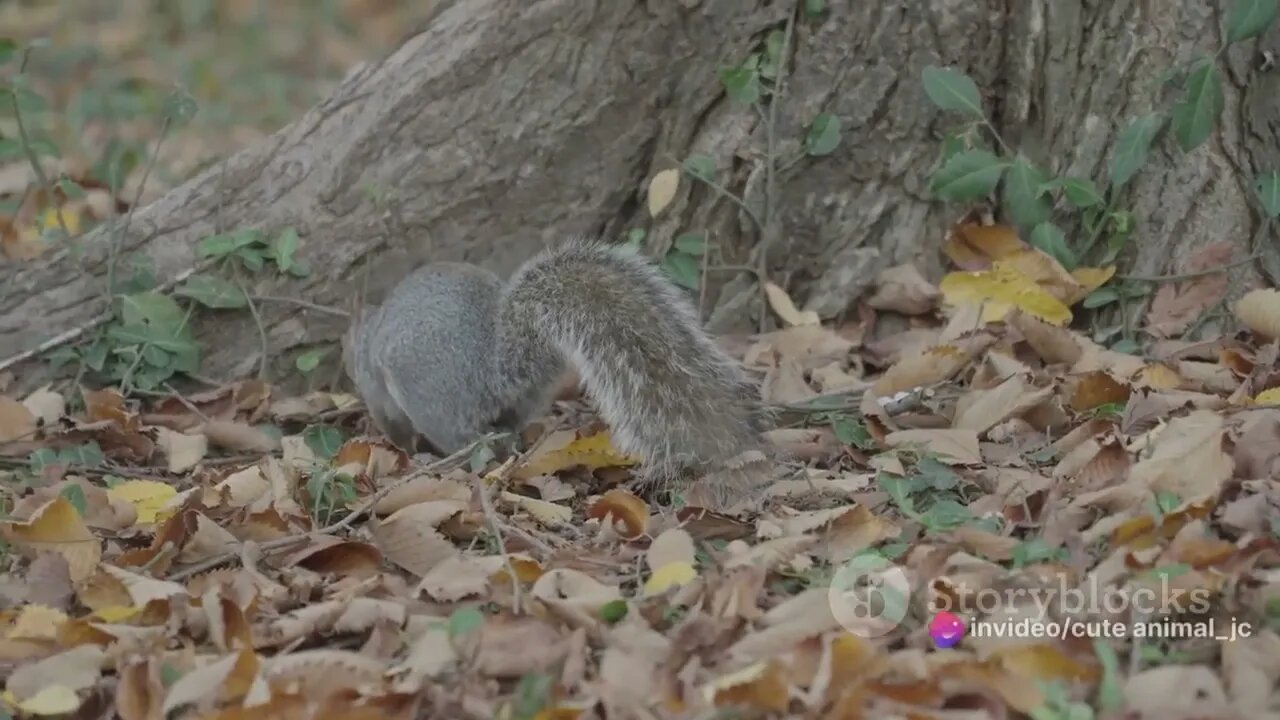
(454, 353)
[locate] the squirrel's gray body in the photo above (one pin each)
(454, 353)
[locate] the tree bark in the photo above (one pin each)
(505, 126)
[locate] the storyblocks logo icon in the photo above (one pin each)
(869, 596)
(946, 629)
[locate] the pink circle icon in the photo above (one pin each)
(946, 629)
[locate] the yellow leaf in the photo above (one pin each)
(51, 700)
(1090, 279)
(147, 496)
(1159, 377)
(1044, 270)
(48, 220)
(1268, 397)
(782, 304)
(592, 452)
(662, 190)
(1005, 288)
(36, 622)
(57, 527)
(669, 576)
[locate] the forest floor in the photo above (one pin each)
(986, 515)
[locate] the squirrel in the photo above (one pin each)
(454, 353)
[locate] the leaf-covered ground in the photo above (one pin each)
(1098, 525)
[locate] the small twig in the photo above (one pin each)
(113, 248)
(30, 152)
(262, 329)
(770, 191)
(491, 516)
(1191, 275)
(302, 303)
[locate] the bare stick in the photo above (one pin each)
(302, 303)
(1191, 275)
(482, 487)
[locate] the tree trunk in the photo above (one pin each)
(505, 126)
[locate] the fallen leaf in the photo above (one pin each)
(958, 446)
(1176, 305)
(148, 497)
(57, 527)
(566, 449)
(999, 291)
(47, 406)
(662, 190)
(16, 421)
(1259, 310)
(781, 303)
(183, 450)
(903, 289)
(624, 508)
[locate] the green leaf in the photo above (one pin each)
(1022, 198)
(1167, 501)
(10, 149)
(41, 459)
(946, 514)
(741, 83)
(151, 308)
(155, 357)
(613, 611)
(1125, 345)
(1034, 550)
(86, 455)
(70, 188)
(1080, 193)
(691, 244)
(1049, 238)
(310, 359)
(701, 166)
(853, 433)
(283, 249)
(954, 144)
(951, 89)
(8, 48)
(824, 135)
(324, 440)
(75, 495)
(814, 8)
(254, 258)
(1248, 18)
(683, 269)
(1268, 187)
(227, 243)
(465, 621)
(936, 474)
(1101, 297)
(968, 176)
(898, 490)
(213, 292)
(1201, 105)
(1132, 145)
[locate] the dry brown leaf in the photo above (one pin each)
(57, 527)
(914, 371)
(662, 190)
(16, 421)
(786, 385)
(903, 289)
(1188, 458)
(955, 447)
(238, 436)
(409, 537)
(47, 406)
(981, 410)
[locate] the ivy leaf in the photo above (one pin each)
(702, 167)
(283, 249)
(213, 292)
(936, 473)
(324, 440)
(1049, 238)
(1080, 193)
(683, 269)
(41, 459)
(151, 308)
(691, 244)
(967, 176)
(1202, 103)
(824, 135)
(179, 107)
(8, 48)
(310, 360)
(1132, 145)
(464, 621)
(75, 495)
(1022, 199)
(946, 514)
(1101, 297)
(227, 243)
(741, 83)
(1248, 18)
(86, 455)
(1268, 187)
(951, 89)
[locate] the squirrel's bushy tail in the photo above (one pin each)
(670, 394)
